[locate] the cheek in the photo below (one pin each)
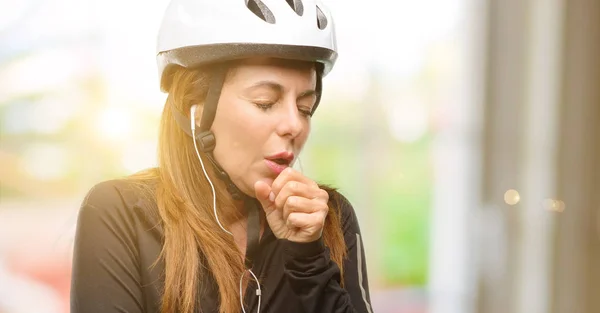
(229, 121)
(241, 129)
(307, 129)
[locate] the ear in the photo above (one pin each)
(198, 109)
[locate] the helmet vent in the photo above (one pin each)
(321, 19)
(297, 6)
(261, 10)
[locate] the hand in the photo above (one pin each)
(294, 205)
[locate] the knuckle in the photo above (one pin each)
(291, 201)
(318, 220)
(325, 208)
(324, 194)
(323, 218)
(319, 206)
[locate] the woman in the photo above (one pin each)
(224, 224)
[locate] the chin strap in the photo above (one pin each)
(253, 209)
(204, 136)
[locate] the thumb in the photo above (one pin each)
(263, 192)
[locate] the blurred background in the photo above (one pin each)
(466, 133)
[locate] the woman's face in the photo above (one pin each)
(263, 119)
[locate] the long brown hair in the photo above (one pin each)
(184, 200)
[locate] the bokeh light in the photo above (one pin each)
(115, 123)
(553, 205)
(512, 197)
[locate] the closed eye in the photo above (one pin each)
(305, 112)
(266, 105)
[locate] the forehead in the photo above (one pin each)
(270, 68)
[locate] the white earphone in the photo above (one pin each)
(193, 127)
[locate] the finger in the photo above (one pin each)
(295, 204)
(262, 191)
(289, 174)
(306, 220)
(295, 188)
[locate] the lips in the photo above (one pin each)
(279, 161)
(282, 158)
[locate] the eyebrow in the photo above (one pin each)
(279, 88)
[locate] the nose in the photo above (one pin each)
(291, 122)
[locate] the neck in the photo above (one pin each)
(235, 213)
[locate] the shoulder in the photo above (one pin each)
(123, 192)
(110, 193)
(116, 200)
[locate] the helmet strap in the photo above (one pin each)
(204, 136)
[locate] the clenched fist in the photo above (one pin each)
(294, 205)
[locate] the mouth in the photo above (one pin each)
(279, 162)
(282, 158)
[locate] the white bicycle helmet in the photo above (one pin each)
(197, 32)
(200, 32)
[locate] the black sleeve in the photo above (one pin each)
(105, 275)
(316, 279)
